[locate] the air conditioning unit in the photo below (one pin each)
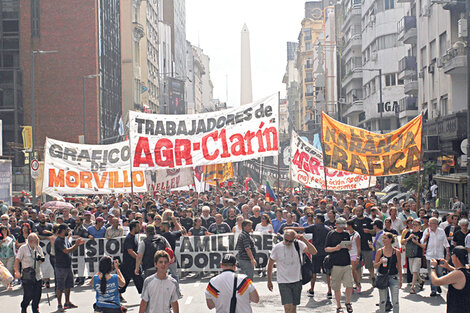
(462, 27)
(373, 56)
(421, 74)
(439, 63)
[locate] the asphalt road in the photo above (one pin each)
(194, 300)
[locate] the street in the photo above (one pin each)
(194, 300)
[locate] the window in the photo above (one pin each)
(389, 4)
(432, 51)
(393, 79)
(35, 18)
(387, 41)
(386, 124)
(423, 57)
(387, 80)
(400, 82)
(308, 46)
(442, 44)
(308, 34)
(444, 106)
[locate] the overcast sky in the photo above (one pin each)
(215, 26)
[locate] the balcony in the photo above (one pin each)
(454, 61)
(309, 79)
(407, 30)
(407, 67)
(356, 73)
(449, 127)
(355, 108)
(411, 87)
(353, 12)
(308, 65)
(354, 41)
(455, 5)
(309, 94)
(407, 107)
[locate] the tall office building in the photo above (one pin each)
(11, 104)
(246, 91)
(291, 80)
(86, 36)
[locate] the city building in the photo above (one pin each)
(312, 29)
(11, 78)
(203, 88)
(382, 50)
(70, 43)
(189, 85)
(442, 91)
(291, 79)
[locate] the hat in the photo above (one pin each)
(461, 253)
(322, 201)
(341, 222)
(87, 213)
(229, 259)
(99, 219)
(368, 205)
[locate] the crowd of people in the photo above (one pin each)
(350, 232)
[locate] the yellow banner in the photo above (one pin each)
(218, 173)
(362, 152)
(27, 134)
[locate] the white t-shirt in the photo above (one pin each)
(287, 262)
(353, 236)
(26, 256)
(159, 294)
(220, 290)
(268, 229)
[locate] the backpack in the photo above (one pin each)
(152, 245)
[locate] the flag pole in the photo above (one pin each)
(279, 143)
(418, 196)
(323, 153)
(130, 168)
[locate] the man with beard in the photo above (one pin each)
(231, 219)
(363, 225)
(44, 229)
(207, 219)
(129, 257)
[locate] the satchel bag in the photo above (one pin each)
(327, 264)
(381, 280)
(305, 266)
(411, 250)
(233, 300)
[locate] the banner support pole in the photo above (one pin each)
(261, 171)
(323, 154)
(418, 196)
(279, 143)
(130, 165)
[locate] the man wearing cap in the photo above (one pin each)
(341, 271)
(87, 221)
(219, 291)
(98, 230)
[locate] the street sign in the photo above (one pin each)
(34, 169)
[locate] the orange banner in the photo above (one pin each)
(359, 151)
(218, 173)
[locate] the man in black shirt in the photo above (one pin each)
(206, 218)
(128, 258)
(246, 250)
(198, 229)
(44, 229)
(339, 254)
(256, 218)
(231, 219)
(63, 266)
(363, 225)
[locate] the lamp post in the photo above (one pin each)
(381, 107)
(33, 108)
(84, 102)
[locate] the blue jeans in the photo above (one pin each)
(394, 285)
(438, 272)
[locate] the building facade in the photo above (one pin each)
(291, 80)
(58, 76)
(11, 78)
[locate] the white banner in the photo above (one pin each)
(71, 168)
(306, 167)
(168, 179)
(176, 141)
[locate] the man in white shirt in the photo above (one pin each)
(160, 290)
(289, 277)
(436, 241)
(219, 291)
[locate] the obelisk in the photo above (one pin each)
(246, 95)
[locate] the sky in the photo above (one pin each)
(215, 26)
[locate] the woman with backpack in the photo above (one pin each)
(414, 251)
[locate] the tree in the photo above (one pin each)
(410, 181)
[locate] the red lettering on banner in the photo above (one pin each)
(205, 151)
(223, 136)
(259, 135)
(304, 161)
(183, 152)
(238, 145)
(271, 145)
(143, 146)
(164, 153)
(248, 137)
(314, 165)
(72, 179)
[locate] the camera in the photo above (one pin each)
(40, 258)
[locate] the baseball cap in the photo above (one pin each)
(229, 259)
(322, 201)
(99, 219)
(341, 222)
(87, 213)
